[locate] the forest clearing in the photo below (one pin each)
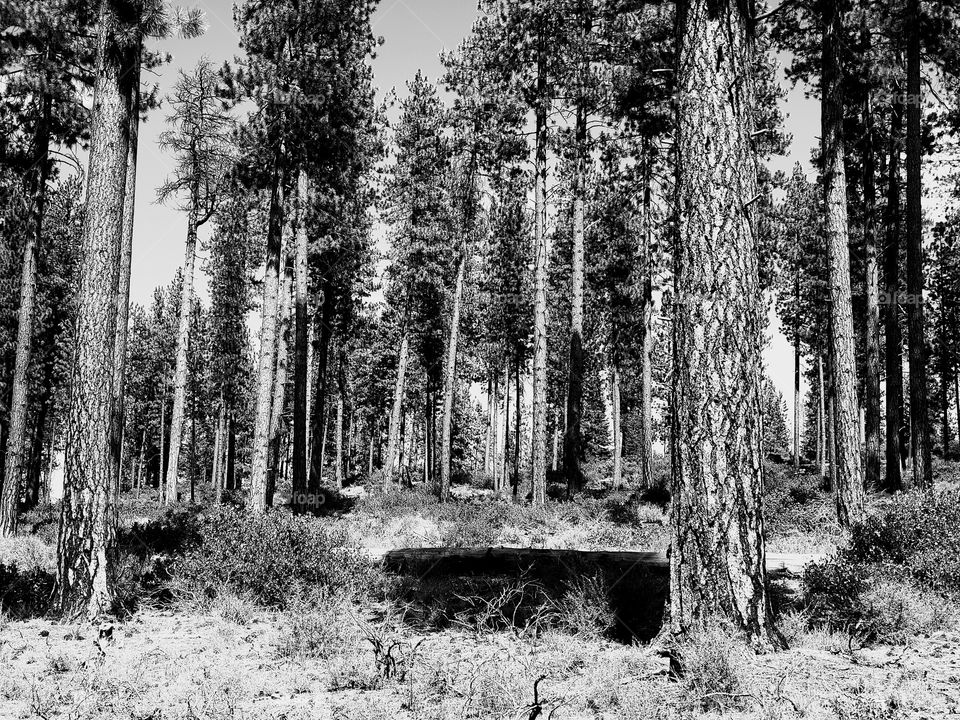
(501, 359)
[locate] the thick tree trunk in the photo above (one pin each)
(919, 419)
(450, 378)
(279, 378)
(126, 263)
(516, 434)
(488, 444)
(717, 554)
(872, 290)
(395, 413)
(301, 369)
(540, 263)
(85, 547)
(556, 438)
(14, 466)
(268, 345)
(572, 441)
(183, 339)
(849, 494)
(796, 407)
(893, 479)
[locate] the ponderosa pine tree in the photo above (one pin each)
(199, 138)
(717, 555)
(849, 488)
(85, 547)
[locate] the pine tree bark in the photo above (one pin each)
(893, 478)
(301, 347)
(645, 441)
(14, 466)
(319, 396)
(86, 542)
(872, 290)
(279, 377)
(338, 425)
(450, 377)
(396, 412)
(257, 502)
(717, 554)
(919, 414)
(572, 441)
(126, 263)
(617, 438)
(540, 262)
(821, 421)
(849, 494)
(183, 340)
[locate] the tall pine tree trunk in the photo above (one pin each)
(821, 421)
(450, 378)
(505, 461)
(268, 347)
(279, 377)
(14, 466)
(183, 339)
(338, 426)
(872, 290)
(849, 494)
(540, 261)
(126, 263)
(86, 543)
(617, 437)
(572, 439)
(645, 441)
(893, 478)
(919, 417)
(717, 554)
(318, 410)
(396, 412)
(301, 347)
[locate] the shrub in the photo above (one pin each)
(585, 608)
(920, 531)
(24, 593)
(275, 558)
(711, 662)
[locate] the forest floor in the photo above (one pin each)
(231, 658)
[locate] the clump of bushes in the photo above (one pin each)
(897, 575)
(24, 593)
(276, 559)
(919, 531)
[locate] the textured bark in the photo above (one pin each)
(572, 441)
(505, 460)
(849, 494)
(268, 345)
(517, 490)
(487, 443)
(540, 261)
(617, 437)
(645, 441)
(717, 555)
(319, 396)
(16, 445)
(450, 378)
(821, 421)
(183, 340)
(893, 477)
(126, 262)
(919, 414)
(872, 290)
(279, 378)
(301, 347)
(396, 412)
(796, 407)
(86, 543)
(338, 424)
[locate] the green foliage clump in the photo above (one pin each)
(275, 559)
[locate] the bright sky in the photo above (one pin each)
(414, 32)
